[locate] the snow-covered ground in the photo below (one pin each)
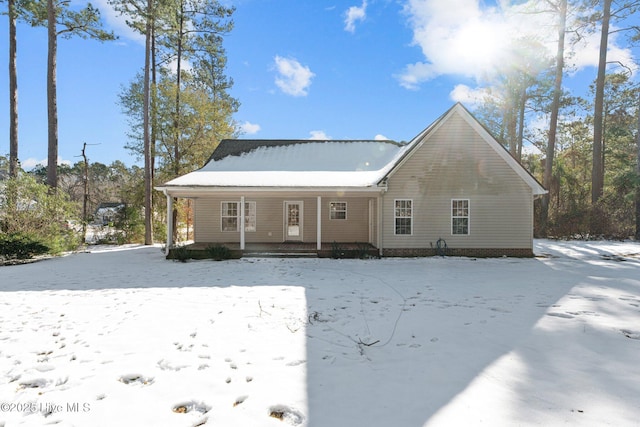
(123, 337)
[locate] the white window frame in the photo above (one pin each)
(454, 216)
(225, 215)
(250, 216)
(396, 217)
(334, 211)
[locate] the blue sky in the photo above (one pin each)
(342, 69)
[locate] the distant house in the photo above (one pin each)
(106, 213)
(453, 183)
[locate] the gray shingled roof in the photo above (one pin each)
(301, 155)
(237, 147)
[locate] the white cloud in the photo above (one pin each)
(457, 37)
(468, 38)
(172, 66)
(469, 96)
(353, 15)
(380, 137)
(587, 51)
(249, 128)
(117, 22)
(32, 162)
(293, 78)
(319, 135)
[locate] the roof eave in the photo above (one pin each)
(174, 189)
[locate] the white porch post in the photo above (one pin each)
(319, 231)
(169, 223)
(380, 229)
(242, 213)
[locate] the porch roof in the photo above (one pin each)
(289, 164)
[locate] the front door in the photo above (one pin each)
(293, 221)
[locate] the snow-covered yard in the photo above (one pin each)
(123, 337)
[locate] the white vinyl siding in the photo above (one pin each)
(403, 217)
(455, 163)
(269, 219)
(338, 210)
(460, 216)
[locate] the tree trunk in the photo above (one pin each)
(148, 182)
(637, 201)
(176, 119)
(85, 193)
(512, 125)
(13, 93)
(597, 171)
(154, 96)
(553, 122)
(52, 100)
(522, 106)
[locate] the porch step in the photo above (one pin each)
(280, 255)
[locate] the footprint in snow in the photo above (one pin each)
(286, 414)
(135, 379)
(630, 334)
(191, 406)
(239, 400)
(562, 315)
(33, 383)
(166, 365)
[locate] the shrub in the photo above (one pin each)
(181, 253)
(19, 246)
(362, 250)
(31, 209)
(218, 252)
(129, 226)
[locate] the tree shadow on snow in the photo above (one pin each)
(388, 342)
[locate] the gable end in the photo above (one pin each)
(485, 135)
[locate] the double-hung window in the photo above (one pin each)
(230, 216)
(249, 216)
(403, 216)
(460, 216)
(338, 210)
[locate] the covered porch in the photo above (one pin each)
(284, 222)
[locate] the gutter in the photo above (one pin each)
(380, 188)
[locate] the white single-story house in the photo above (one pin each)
(107, 212)
(453, 182)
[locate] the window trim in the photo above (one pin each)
(331, 211)
(237, 216)
(223, 215)
(396, 217)
(247, 216)
(468, 217)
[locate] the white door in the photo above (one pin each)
(293, 221)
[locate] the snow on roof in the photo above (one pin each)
(318, 164)
(295, 163)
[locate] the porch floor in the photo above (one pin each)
(328, 249)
